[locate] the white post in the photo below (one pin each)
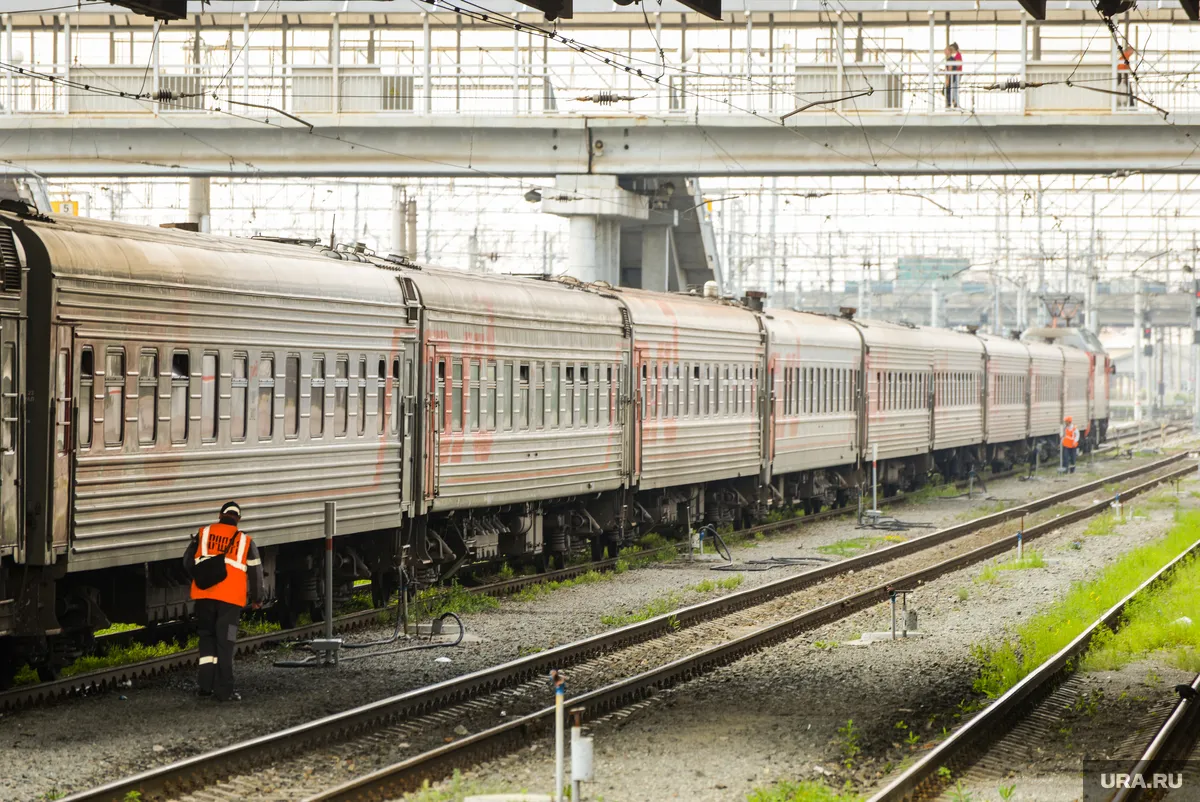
(749, 52)
(1195, 350)
(875, 474)
(66, 21)
(1137, 349)
(862, 285)
(10, 86)
(841, 55)
(559, 760)
(335, 61)
(157, 67)
(427, 75)
(245, 57)
(516, 74)
(658, 91)
(933, 93)
(199, 203)
(935, 302)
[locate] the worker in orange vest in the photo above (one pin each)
(226, 572)
(1070, 445)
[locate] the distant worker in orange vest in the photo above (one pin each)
(1123, 70)
(1070, 445)
(226, 571)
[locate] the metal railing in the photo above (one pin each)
(712, 82)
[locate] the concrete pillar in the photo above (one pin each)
(935, 304)
(399, 241)
(199, 208)
(411, 228)
(656, 258)
(596, 205)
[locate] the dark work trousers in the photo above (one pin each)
(218, 625)
(1068, 459)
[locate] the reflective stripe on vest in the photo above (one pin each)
(1070, 437)
(213, 543)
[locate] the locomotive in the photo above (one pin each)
(148, 375)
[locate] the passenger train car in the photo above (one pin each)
(149, 375)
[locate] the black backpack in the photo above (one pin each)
(211, 571)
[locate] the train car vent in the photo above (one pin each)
(10, 276)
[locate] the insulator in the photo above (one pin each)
(164, 95)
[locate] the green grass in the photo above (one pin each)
(1148, 627)
(115, 628)
(1032, 558)
(134, 653)
(454, 790)
(805, 791)
(1103, 524)
(665, 604)
(249, 627)
(1005, 662)
(852, 546)
(434, 602)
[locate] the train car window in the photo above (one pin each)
(381, 395)
(475, 395)
(341, 396)
(714, 394)
(8, 399)
(148, 396)
(569, 412)
(209, 376)
(291, 395)
(644, 389)
(361, 397)
(596, 384)
(585, 392)
(491, 405)
(523, 414)
(181, 401)
(685, 388)
(604, 393)
(509, 399)
(539, 395)
(556, 417)
(669, 390)
(114, 396)
(238, 397)
(266, 396)
(397, 393)
(316, 399)
(87, 379)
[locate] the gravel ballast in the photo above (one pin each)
(777, 714)
(84, 742)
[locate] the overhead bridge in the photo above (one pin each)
(718, 145)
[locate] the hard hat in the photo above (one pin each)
(1068, 419)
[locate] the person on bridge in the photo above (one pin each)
(1123, 73)
(953, 73)
(226, 571)
(1070, 445)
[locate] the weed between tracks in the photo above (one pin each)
(671, 601)
(991, 572)
(806, 791)
(852, 546)
(1164, 622)
(628, 559)
(1004, 663)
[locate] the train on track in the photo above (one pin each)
(148, 375)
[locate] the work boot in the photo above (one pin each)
(233, 697)
(203, 694)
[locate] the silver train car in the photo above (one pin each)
(148, 375)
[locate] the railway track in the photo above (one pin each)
(395, 744)
(122, 676)
(1022, 713)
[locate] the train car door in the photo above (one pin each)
(406, 395)
(64, 445)
(12, 391)
(437, 365)
(637, 391)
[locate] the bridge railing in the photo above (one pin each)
(707, 83)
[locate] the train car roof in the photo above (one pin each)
(998, 345)
(526, 299)
(98, 249)
(690, 311)
(810, 328)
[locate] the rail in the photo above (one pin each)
(922, 777)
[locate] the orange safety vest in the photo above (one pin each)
(213, 540)
(1070, 437)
